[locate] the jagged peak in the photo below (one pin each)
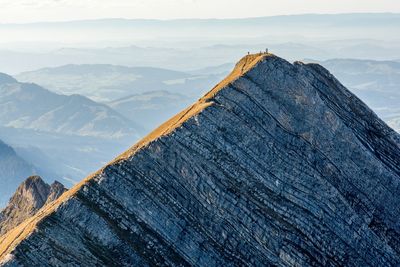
(31, 195)
(247, 63)
(33, 189)
(244, 65)
(299, 95)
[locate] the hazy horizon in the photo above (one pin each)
(110, 18)
(23, 11)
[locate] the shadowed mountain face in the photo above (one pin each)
(30, 196)
(278, 165)
(13, 169)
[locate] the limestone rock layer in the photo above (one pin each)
(279, 165)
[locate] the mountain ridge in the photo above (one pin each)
(264, 175)
(393, 14)
(107, 82)
(165, 128)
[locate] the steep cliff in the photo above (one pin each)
(279, 164)
(29, 198)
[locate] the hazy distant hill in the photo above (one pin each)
(192, 56)
(70, 157)
(375, 82)
(196, 43)
(109, 82)
(203, 31)
(222, 69)
(152, 108)
(13, 170)
(4, 78)
(394, 121)
(66, 137)
(30, 106)
(147, 96)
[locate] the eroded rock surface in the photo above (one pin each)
(30, 196)
(278, 165)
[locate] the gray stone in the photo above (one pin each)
(29, 198)
(283, 167)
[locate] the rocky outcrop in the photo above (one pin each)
(278, 165)
(56, 190)
(29, 198)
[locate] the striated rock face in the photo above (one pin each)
(30, 196)
(278, 165)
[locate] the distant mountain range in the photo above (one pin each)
(375, 82)
(67, 157)
(196, 43)
(29, 106)
(110, 82)
(147, 96)
(203, 31)
(64, 137)
(152, 108)
(193, 56)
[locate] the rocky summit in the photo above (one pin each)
(29, 198)
(278, 165)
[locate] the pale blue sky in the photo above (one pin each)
(50, 10)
